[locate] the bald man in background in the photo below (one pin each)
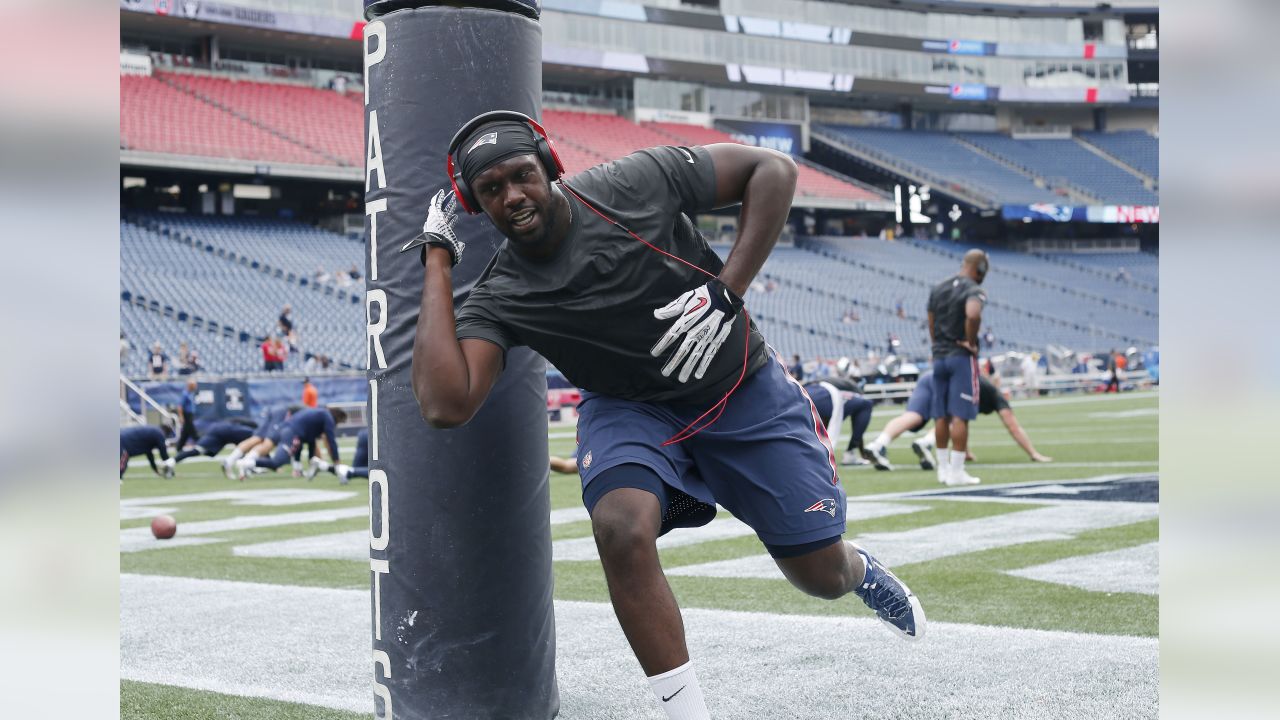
(955, 317)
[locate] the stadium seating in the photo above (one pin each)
(184, 271)
(940, 158)
(1003, 170)
(322, 120)
(157, 116)
(1067, 162)
(1135, 148)
(814, 180)
(1023, 313)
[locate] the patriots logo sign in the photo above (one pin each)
(826, 505)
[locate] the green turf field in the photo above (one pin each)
(1000, 561)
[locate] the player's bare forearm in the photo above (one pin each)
(764, 181)
(930, 323)
(972, 323)
(448, 384)
(1017, 433)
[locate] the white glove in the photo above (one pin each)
(704, 316)
(438, 229)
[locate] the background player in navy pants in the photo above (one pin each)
(916, 417)
(834, 405)
(683, 406)
(955, 316)
(304, 427)
(144, 440)
(359, 466)
(217, 436)
(262, 441)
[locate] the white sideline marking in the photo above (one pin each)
(584, 548)
(978, 466)
(352, 545)
(1059, 522)
(311, 645)
(568, 515)
(1132, 570)
(720, 529)
(264, 497)
(135, 512)
(1140, 412)
(135, 539)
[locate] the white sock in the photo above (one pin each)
(234, 456)
(882, 441)
(928, 440)
(297, 466)
(679, 693)
(944, 464)
(253, 455)
(957, 462)
(341, 471)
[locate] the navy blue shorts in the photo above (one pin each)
(921, 400)
(288, 446)
(955, 387)
(766, 460)
(362, 450)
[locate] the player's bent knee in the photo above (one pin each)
(625, 522)
(823, 572)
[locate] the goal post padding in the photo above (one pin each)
(460, 548)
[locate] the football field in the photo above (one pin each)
(1041, 586)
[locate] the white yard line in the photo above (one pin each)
(1132, 570)
(1057, 522)
(136, 539)
(312, 645)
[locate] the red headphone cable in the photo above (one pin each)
(684, 433)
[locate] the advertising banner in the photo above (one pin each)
(1048, 212)
(783, 137)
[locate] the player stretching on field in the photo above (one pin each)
(261, 442)
(657, 337)
(303, 427)
(834, 404)
(217, 436)
(143, 440)
(955, 315)
(919, 407)
(359, 466)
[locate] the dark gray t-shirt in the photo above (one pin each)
(947, 302)
(589, 310)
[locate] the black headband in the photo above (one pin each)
(492, 143)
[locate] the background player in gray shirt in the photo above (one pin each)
(955, 316)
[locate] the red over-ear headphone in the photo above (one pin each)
(546, 153)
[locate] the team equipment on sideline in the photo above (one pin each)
(891, 600)
(438, 229)
(701, 314)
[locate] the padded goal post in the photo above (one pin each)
(460, 547)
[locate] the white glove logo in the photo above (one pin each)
(701, 318)
(438, 229)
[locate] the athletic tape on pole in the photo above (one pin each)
(459, 533)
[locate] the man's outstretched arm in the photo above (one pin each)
(1020, 436)
(764, 181)
(451, 379)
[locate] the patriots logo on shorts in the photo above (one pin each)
(826, 505)
(586, 460)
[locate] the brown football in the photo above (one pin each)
(164, 526)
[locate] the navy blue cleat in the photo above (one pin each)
(891, 600)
